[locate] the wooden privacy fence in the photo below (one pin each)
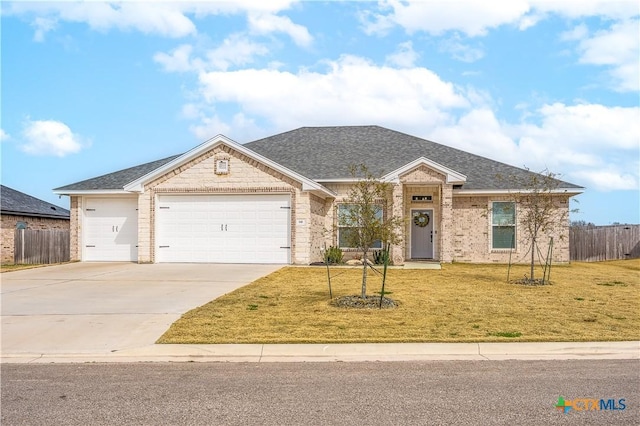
(33, 246)
(592, 244)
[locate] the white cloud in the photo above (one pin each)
(591, 126)
(352, 91)
(578, 32)
(460, 51)
(210, 127)
(404, 56)
(49, 137)
(574, 9)
(586, 141)
(164, 18)
(617, 48)
(591, 145)
(235, 50)
(42, 26)
(178, 60)
(607, 180)
(480, 132)
(583, 141)
(267, 23)
(475, 17)
(242, 127)
(4, 136)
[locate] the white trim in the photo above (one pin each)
(514, 249)
(307, 184)
(94, 192)
(461, 192)
(339, 180)
(452, 176)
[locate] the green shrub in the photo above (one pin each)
(380, 256)
(333, 255)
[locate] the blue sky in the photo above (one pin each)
(93, 87)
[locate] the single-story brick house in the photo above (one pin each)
(21, 211)
(277, 200)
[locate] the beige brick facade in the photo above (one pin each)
(245, 175)
(472, 235)
(461, 224)
(9, 223)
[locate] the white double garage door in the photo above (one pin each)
(247, 228)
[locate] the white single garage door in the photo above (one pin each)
(110, 229)
(223, 228)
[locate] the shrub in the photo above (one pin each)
(380, 256)
(333, 255)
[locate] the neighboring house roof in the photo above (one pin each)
(326, 153)
(17, 203)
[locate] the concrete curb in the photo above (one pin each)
(344, 352)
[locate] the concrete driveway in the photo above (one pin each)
(107, 307)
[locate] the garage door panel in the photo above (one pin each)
(248, 228)
(110, 230)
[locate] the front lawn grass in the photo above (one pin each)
(18, 267)
(459, 303)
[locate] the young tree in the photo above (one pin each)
(540, 208)
(364, 224)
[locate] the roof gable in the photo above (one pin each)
(452, 176)
(18, 203)
(137, 185)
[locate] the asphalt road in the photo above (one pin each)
(378, 393)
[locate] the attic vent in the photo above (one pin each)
(222, 167)
(457, 186)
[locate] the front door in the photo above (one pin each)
(422, 234)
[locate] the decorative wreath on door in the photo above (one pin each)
(421, 219)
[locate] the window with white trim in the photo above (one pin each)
(347, 225)
(503, 225)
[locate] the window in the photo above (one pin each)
(21, 225)
(503, 225)
(347, 225)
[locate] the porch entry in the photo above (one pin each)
(422, 234)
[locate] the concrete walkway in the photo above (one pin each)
(345, 352)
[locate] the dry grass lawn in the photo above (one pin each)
(460, 303)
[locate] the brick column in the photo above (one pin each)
(75, 227)
(145, 230)
(398, 251)
(446, 224)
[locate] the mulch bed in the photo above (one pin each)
(530, 282)
(357, 302)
